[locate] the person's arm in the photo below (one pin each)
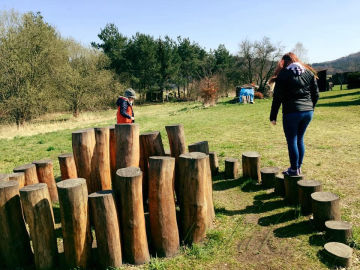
(123, 107)
(276, 102)
(314, 89)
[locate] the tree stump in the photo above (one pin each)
(112, 146)
(83, 145)
(19, 177)
(279, 185)
(101, 165)
(45, 173)
(291, 188)
(37, 207)
(305, 189)
(107, 228)
(30, 173)
(128, 192)
(202, 147)
(325, 206)
(338, 231)
(4, 177)
(339, 254)
(214, 163)
(150, 145)
(15, 247)
(127, 145)
(73, 199)
(231, 168)
(251, 165)
(195, 203)
(67, 166)
(163, 224)
(268, 175)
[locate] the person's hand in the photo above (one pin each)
(132, 118)
(273, 122)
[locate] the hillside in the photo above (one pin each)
(343, 64)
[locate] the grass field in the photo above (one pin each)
(254, 229)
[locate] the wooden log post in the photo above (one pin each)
(128, 193)
(45, 173)
(19, 177)
(112, 146)
(268, 175)
(37, 207)
(338, 231)
(231, 168)
(15, 247)
(176, 136)
(127, 145)
(338, 254)
(195, 212)
(67, 166)
(325, 206)
(150, 145)
(305, 189)
(202, 147)
(167, 153)
(291, 188)
(163, 224)
(279, 185)
(4, 177)
(214, 163)
(101, 161)
(73, 199)
(107, 228)
(30, 173)
(251, 165)
(83, 145)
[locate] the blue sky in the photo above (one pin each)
(328, 29)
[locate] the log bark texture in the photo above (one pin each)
(339, 254)
(231, 168)
(163, 224)
(127, 145)
(45, 173)
(30, 173)
(251, 165)
(305, 189)
(107, 228)
(325, 206)
(15, 247)
(128, 192)
(214, 163)
(73, 199)
(37, 207)
(202, 147)
(268, 175)
(279, 185)
(339, 231)
(112, 146)
(291, 188)
(67, 166)
(19, 177)
(4, 177)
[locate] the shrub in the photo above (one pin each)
(209, 87)
(353, 80)
(258, 95)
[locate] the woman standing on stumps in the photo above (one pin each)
(125, 112)
(296, 89)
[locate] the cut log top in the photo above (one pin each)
(129, 172)
(294, 177)
(324, 196)
(193, 155)
(15, 175)
(101, 129)
(149, 133)
(42, 162)
(309, 183)
(174, 126)
(251, 154)
(24, 167)
(102, 193)
(274, 170)
(71, 183)
(4, 177)
(338, 225)
(280, 176)
(339, 249)
(66, 155)
(8, 184)
(230, 159)
(161, 157)
(33, 187)
(83, 131)
(127, 124)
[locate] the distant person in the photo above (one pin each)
(296, 89)
(125, 112)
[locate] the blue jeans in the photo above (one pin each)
(295, 125)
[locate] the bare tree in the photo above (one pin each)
(301, 52)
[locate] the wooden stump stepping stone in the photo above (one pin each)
(325, 206)
(112, 148)
(231, 168)
(291, 188)
(339, 254)
(4, 177)
(45, 173)
(268, 176)
(251, 165)
(67, 166)
(306, 188)
(279, 185)
(30, 173)
(214, 163)
(339, 231)
(19, 177)
(202, 147)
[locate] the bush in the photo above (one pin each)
(353, 80)
(258, 95)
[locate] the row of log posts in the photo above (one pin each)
(30, 173)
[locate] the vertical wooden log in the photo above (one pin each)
(107, 228)
(73, 199)
(45, 173)
(279, 185)
(15, 247)
(4, 177)
(101, 165)
(36, 203)
(339, 254)
(112, 146)
(127, 145)
(305, 189)
(30, 173)
(202, 147)
(150, 145)
(209, 193)
(251, 165)
(291, 188)
(67, 166)
(231, 168)
(19, 177)
(163, 224)
(214, 163)
(339, 231)
(128, 192)
(83, 145)
(268, 175)
(325, 206)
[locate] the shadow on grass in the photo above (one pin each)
(295, 229)
(340, 103)
(318, 240)
(279, 218)
(265, 196)
(223, 211)
(57, 217)
(249, 185)
(342, 95)
(226, 184)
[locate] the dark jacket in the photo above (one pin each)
(296, 93)
(123, 104)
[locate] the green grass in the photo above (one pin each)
(253, 229)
